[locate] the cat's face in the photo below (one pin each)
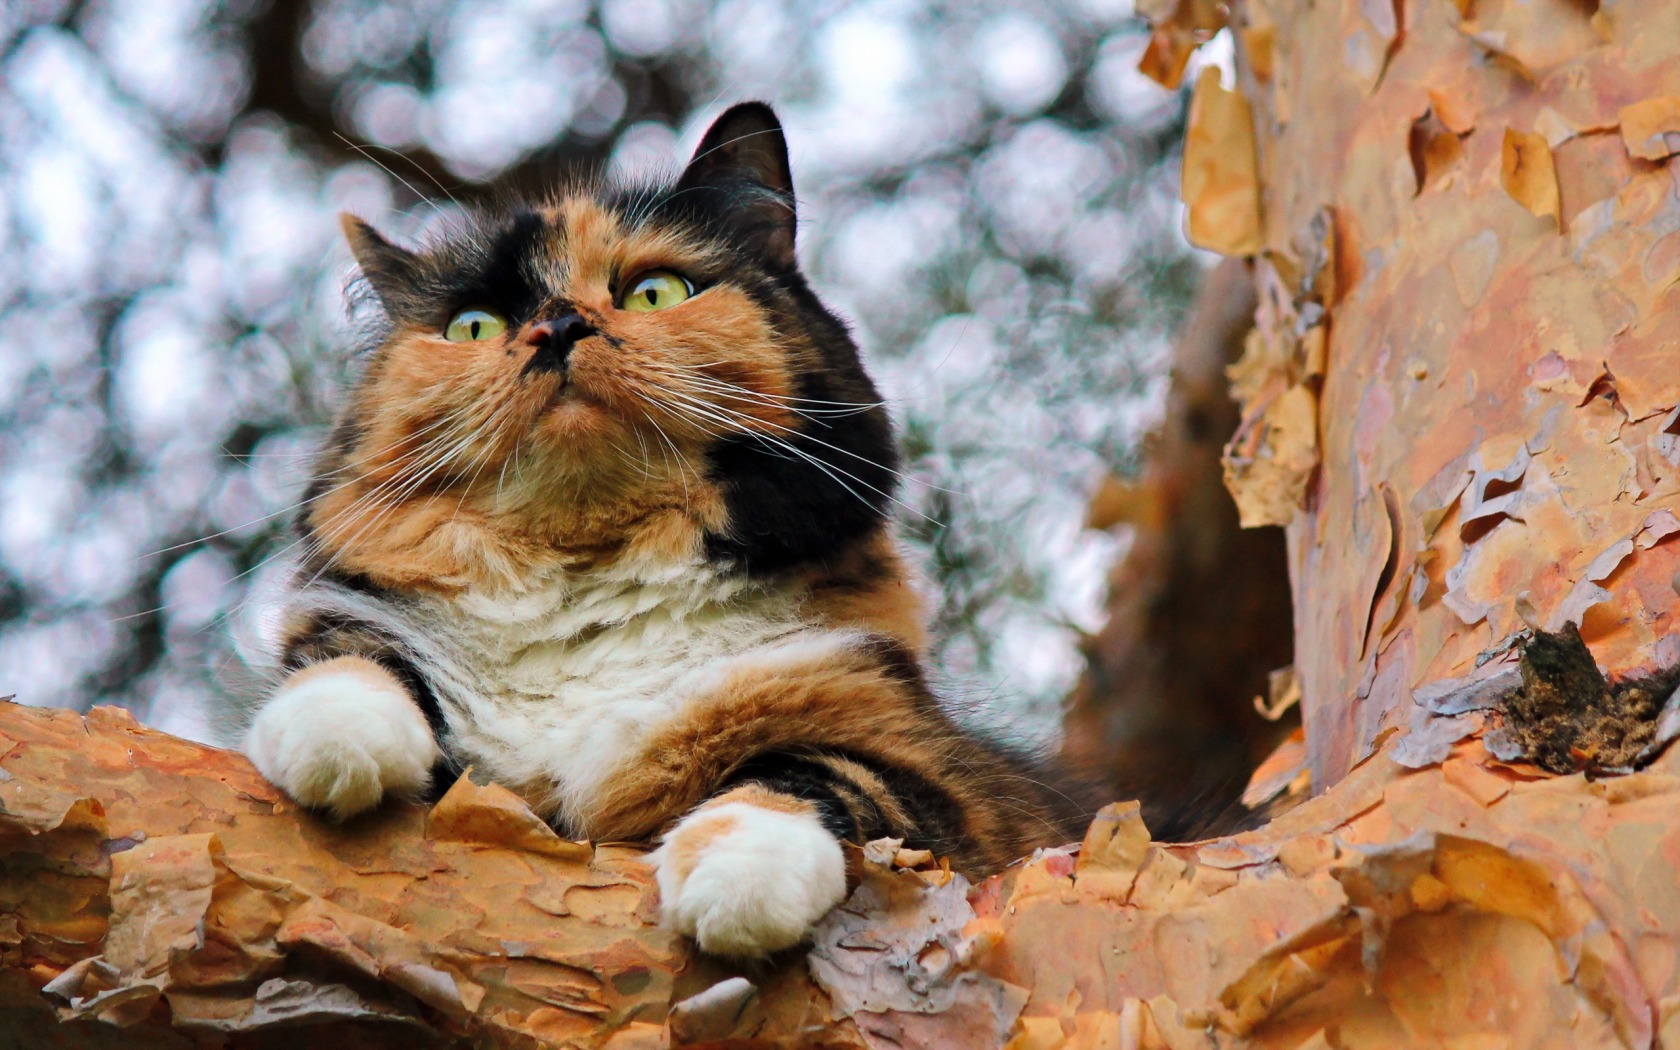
(611, 366)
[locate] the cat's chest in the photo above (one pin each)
(586, 650)
(563, 644)
(559, 688)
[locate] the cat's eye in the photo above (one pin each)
(469, 326)
(655, 290)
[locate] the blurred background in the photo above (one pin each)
(987, 191)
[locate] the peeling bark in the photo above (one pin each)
(155, 892)
(1495, 341)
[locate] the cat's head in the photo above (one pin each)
(611, 365)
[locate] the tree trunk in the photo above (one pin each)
(1461, 396)
(1462, 399)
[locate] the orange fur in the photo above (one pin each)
(869, 586)
(684, 851)
(355, 666)
(763, 798)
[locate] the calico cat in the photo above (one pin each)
(606, 518)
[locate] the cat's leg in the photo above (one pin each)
(342, 734)
(760, 782)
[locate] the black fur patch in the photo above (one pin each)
(847, 810)
(809, 780)
(803, 497)
(330, 637)
(938, 819)
(491, 262)
(793, 498)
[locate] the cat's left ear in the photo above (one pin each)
(744, 157)
(388, 268)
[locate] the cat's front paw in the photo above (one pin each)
(743, 880)
(341, 735)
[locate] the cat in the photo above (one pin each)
(606, 518)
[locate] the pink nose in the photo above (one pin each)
(552, 340)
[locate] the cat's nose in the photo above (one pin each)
(552, 341)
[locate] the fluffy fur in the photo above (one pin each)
(749, 877)
(635, 565)
(341, 735)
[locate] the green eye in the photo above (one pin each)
(655, 290)
(469, 326)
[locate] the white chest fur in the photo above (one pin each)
(552, 688)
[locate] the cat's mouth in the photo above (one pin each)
(568, 393)
(569, 397)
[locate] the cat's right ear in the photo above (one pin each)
(744, 157)
(389, 269)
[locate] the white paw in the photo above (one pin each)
(743, 880)
(341, 739)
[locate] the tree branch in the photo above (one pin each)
(157, 893)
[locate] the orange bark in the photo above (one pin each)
(1470, 290)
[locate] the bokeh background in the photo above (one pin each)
(987, 191)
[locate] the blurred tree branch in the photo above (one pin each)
(282, 84)
(1198, 608)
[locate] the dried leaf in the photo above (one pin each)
(1528, 174)
(1651, 128)
(1220, 186)
(1269, 462)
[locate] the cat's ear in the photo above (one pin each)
(744, 157)
(388, 268)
